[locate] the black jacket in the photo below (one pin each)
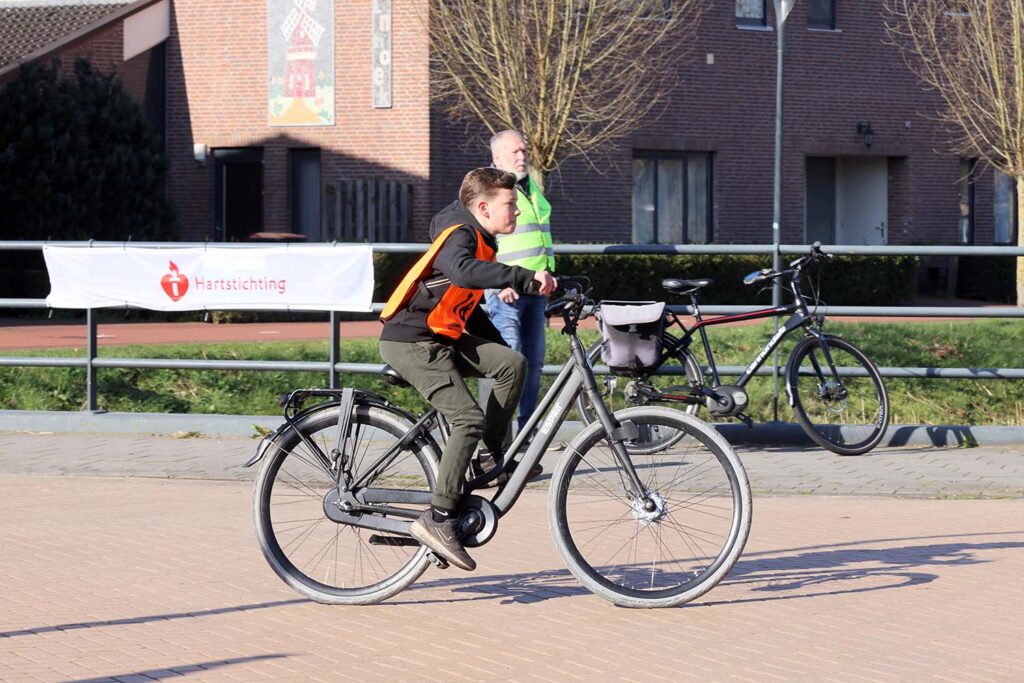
(453, 214)
(456, 261)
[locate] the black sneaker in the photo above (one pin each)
(443, 539)
(485, 464)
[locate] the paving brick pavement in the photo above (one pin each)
(131, 557)
(987, 472)
(132, 579)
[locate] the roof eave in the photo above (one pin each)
(74, 37)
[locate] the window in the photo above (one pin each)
(965, 189)
(751, 13)
(821, 14)
(672, 198)
(1005, 209)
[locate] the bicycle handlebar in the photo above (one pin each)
(574, 295)
(795, 266)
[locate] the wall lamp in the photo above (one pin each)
(864, 130)
(200, 152)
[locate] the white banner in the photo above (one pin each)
(313, 278)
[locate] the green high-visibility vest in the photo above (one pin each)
(530, 245)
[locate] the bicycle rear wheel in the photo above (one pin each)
(330, 562)
(678, 384)
(846, 413)
(660, 558)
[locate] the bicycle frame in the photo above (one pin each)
(576, 375)
(800, 316)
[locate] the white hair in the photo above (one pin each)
(497, 137)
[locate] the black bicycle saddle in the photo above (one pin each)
(394, 377)
(677, 286)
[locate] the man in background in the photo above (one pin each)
(520, 317)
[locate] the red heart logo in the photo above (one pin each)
(175, 283)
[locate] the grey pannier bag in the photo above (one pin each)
(630, 334)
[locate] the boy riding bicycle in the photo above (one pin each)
(435, 335)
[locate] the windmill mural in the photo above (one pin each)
(300, 54)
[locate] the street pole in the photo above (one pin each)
(782, 9)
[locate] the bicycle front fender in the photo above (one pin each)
(791, 370)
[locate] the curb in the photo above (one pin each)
(772, 433)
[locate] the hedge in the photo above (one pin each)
(987, 278)
(845, 281)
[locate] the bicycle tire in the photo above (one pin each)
(703, 498)
(645, 444)
(295, 534)
(823, 415)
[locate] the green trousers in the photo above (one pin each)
(437, 370)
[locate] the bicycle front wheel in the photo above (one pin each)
(330, 562)
(846, 411)
(663, 557)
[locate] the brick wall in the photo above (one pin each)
(217, 95)
(833, 80)
(104, 50)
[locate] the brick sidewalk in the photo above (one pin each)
(141, 579)
(985, 472)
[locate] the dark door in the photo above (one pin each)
(238, 188)
(305, 191)
(820, 210)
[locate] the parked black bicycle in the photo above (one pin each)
(835, 391)
(341, 481)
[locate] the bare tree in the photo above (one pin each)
(573, 76)
(972, 53)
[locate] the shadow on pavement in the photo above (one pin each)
(510, 588)
(895, 567)
(179, 670)
(786, 572)
(71, 626)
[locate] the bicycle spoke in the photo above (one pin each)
(610, 487)
(606, 527)
(666, 546)
(327, 560)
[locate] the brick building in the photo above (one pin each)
(862, 162)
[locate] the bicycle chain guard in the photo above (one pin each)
(478, 521)
(734, 400)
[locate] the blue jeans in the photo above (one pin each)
(522, 326)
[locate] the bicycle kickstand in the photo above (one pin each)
(745, 419)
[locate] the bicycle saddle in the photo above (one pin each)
(394, 377)
(677, 286)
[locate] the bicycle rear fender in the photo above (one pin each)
(360, 397)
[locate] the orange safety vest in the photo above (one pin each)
(449, 315)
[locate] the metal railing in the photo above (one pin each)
(333, 365)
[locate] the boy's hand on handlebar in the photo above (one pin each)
(547, 283)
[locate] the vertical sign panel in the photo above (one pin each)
(382, 54)
(300, 61)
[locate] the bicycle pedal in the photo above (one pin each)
(438, 562)
(376, 539)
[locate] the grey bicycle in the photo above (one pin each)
(341, 481)
(836, 392)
